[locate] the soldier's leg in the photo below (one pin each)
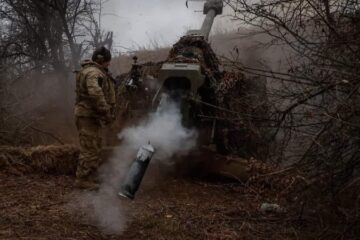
(90, 146)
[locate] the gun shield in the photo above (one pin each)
(136, 172)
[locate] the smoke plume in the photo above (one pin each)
(164, 130)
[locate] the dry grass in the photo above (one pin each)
(61, 159)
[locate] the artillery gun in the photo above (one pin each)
(190, 73)
(192, 76)
(187, 77)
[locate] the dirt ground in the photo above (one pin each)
(35, 206)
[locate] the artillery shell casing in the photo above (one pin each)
(136, 172)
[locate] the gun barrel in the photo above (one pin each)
(208, 22)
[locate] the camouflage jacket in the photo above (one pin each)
(95, 91)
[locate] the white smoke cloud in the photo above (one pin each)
(102, 209)
(166, 133)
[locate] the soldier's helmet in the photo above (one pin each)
(101, 55)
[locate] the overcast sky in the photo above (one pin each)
(140, 23)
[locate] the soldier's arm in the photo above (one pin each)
(96, 93)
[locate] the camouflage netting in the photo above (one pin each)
(52, 159)
(238, 110)
(190, 49)
(239, 129)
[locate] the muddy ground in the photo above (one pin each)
(36, 206)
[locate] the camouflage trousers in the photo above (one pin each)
(90, 146)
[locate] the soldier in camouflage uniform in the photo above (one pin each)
(95, 104)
